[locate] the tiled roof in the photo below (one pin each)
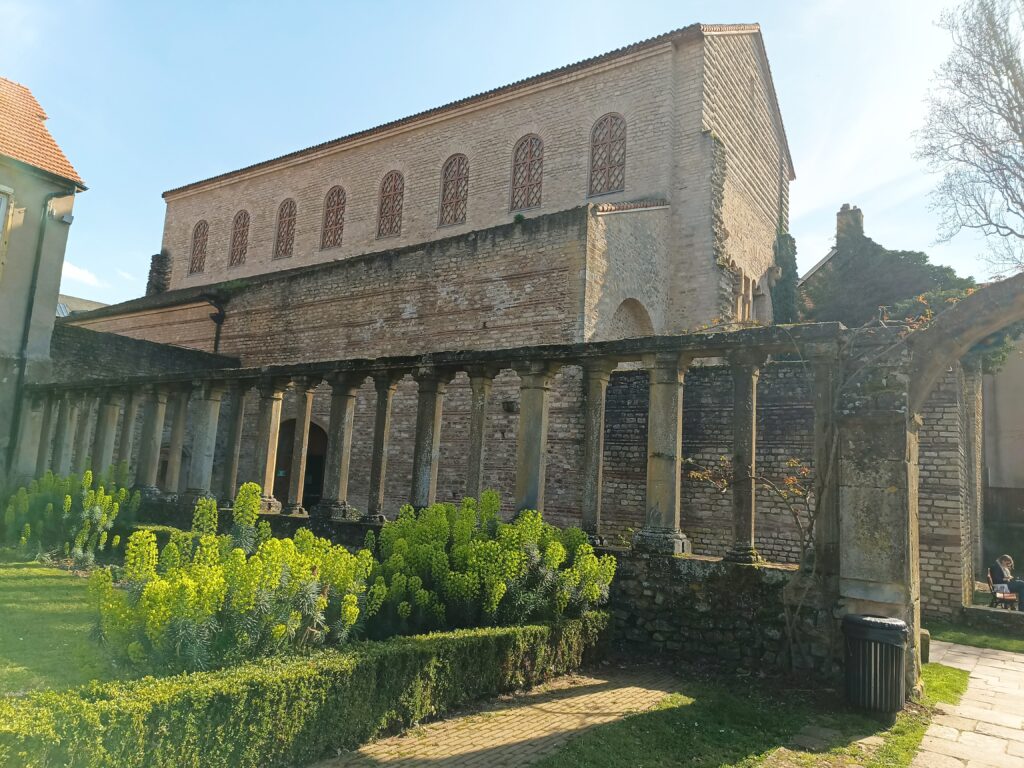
(23, 134)
(693, 30)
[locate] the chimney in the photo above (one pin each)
(159, 273)
(849, 222)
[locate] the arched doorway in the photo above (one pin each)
(316, 456)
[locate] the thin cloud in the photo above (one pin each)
(80, 275)
(125, 276)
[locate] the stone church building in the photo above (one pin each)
(635, 193)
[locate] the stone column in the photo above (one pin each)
(595, 381)
(152, 440)
(305, 388)
(480, 380)
(334, 502)
(106, 432)
(268, 430)
(427, 440)
(29, 437)
(67, 429)
(130, 416)
(238, 389)
(532, 440)
(878, 502)
(45, 436)
(63, 440)
(83, 432)
(745, 372)
(385, 384)
(826, 470)
(207, 395)
(661, 531)
(172, 477)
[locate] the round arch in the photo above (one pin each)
(630, 320)
(954, 332)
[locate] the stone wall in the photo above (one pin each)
(80, 354)
(733, 615)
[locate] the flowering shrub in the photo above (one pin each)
(203, 601)
(66, 515)
(453, 566)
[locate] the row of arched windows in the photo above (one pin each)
(607, 174)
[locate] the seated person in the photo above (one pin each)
(1002, 573)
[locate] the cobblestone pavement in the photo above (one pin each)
(986, 729)
(518, 730)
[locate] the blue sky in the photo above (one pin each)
(144, 97)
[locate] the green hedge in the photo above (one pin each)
(288, 711)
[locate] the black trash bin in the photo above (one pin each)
(876, 662)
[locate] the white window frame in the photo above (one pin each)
(6, 198)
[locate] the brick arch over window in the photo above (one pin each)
(454, 190)
(527, 172)
(608, 154)
(239, 239)
(334, 218)
(389, 214)
(197, 260)
(284, 240)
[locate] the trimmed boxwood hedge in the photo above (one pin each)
(288, 711)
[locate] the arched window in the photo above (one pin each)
(334, 218)
(197, 263)
(608, 155)
(389, 217)
(284, 242)
(239, 239)
(454, 190)
(527, 171)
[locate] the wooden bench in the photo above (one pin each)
(1006, 600)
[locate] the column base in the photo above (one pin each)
(372, 518)
(293, 509)
(744, 554)
(662, 541)
(149, 492)
(270, 506)
(595, 539)
(335, 510)
(187, 501)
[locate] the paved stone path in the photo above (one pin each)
(521, 729)
(986, 729)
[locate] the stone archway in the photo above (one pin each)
(954, 332)
(315, 463)
(630, 320)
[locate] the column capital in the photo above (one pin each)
(384, 381)
(240, 387)
(345, 382)
(481, 371)
(306, 383)
(208, 389)
(429, 377)
(599, 367)
(272, 387)
(536, 374)
(747, 358)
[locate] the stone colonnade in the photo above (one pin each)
(72, 427)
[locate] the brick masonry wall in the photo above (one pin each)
(561, 111)
(738, 111)
(80, 353)
(945, 534)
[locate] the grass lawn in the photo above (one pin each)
(712, 724)
(979, 638)
(45, 630)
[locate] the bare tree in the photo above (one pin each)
(974, 132)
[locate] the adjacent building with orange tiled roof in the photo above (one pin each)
(38, 185)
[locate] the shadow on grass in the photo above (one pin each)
(46, 630)
(705, 723)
